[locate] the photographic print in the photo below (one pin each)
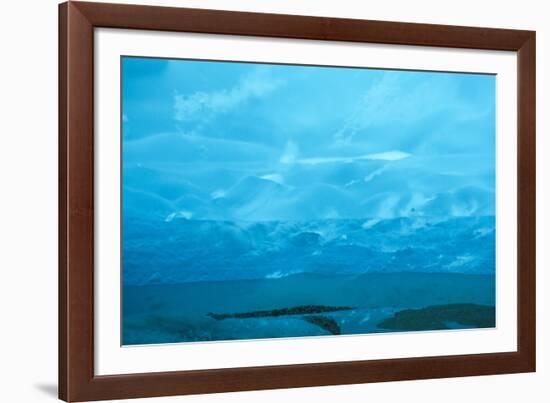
(268, 200)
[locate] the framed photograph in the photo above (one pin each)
(256, 201)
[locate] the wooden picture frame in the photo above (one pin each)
(77, 380)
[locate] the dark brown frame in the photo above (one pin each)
(77, 21)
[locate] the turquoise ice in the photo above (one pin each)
(323, 186)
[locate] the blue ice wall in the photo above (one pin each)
(282, 169)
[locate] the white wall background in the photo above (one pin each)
(28, 199)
